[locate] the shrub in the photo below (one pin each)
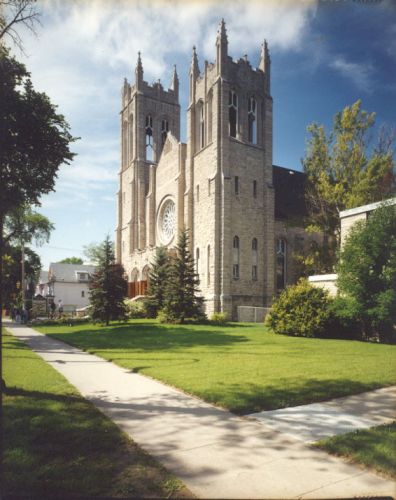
(301, 310)
(219, 318)
(135, 309)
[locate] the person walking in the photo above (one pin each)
(60, 308)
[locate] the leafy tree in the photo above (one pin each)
(23, 225)
(182, 300)
(158, 279)
(34, 142)
(367, 274)
(343, 171)
(108, 287)
(12, 273)
(94, 252)
(71, 260)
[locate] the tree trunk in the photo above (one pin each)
(2, 384)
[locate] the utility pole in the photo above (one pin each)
(23, 290)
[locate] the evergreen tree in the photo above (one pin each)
(158, 279)
(182, 300)
(108, 287)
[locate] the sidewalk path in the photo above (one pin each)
(215, 453)
(316, 421)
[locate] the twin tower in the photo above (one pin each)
(219, 185)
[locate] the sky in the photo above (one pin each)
(324, 56)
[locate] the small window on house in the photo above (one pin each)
(235, 266)
(164, 131)
(149, 138)
(280, 264)
(233, 113)
(254, 189)
(252, 122)
(254, 259)
(236, 184)
(83, 294)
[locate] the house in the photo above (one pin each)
(67, 282)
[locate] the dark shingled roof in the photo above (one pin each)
(289, 188)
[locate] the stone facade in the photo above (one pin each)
(219, 185)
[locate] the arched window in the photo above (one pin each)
(130, 125)
(149, 138)
(233, 113)
(134, 275)
(197, 262)
(164, 131)
(280, 263)
(252, 122)
(208, 265)
(210, 116)
(145, 273)
(254, 259)
(125, 143)
(235, 267)
(201, 127)
(197, 195)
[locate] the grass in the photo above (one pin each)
(374, 448)
(242, 367)
(58, 445)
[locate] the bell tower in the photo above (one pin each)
(148, 113)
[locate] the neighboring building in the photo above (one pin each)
(243, 213)
(347, 219)
(68, 282)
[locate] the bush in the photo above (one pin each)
(135, 309)
(219, 318)
(301, 310)
(64, 320)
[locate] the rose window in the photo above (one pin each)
(167, 221)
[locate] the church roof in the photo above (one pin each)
(289, 193)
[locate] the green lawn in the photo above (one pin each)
(374, 448)
(242, 367)
(58, 445)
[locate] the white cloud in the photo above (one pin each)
(360, 74)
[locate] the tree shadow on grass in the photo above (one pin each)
(246, 398)
(148, 337)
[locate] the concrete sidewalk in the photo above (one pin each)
(215, 453)
(316, 421)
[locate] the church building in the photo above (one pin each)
(242, 212)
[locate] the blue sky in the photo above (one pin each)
(325, 55)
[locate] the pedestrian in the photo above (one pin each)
(17, 316)
(52, 309)
(60, 308)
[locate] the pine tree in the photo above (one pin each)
(158, 279)
(182, 300)
(108, 287)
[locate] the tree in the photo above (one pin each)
(344, 171)
(34, 142)
(108, 287)
(14, 13)
(158, 279)
(71, 260)
(367, 274)
(182, 300)
(94, 252)
(23, 225)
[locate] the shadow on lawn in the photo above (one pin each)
(148, 337)
(246, 398)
